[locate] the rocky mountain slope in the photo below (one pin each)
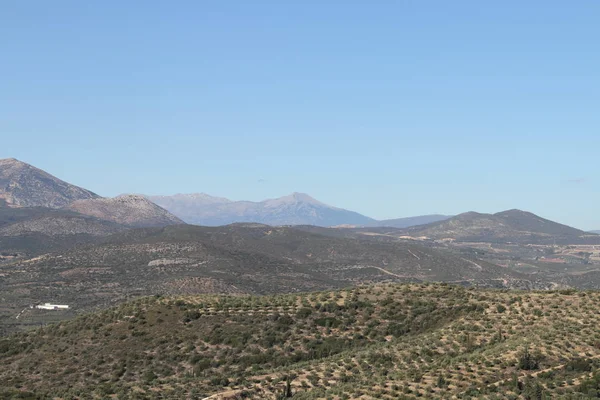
(507, 226)
(295, 209)
(128, 210)
(22, 185)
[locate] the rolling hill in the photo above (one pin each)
(30, 231)
(56, 223)
(371, 342)
(239, 258)
(508, 226)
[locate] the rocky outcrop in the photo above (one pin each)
(129, 210)
(23, 185)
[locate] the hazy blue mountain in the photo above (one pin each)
(295, 209)
(410, 221)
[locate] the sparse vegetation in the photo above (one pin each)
(241, 259)
(385, 341)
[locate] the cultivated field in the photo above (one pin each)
(385, 341)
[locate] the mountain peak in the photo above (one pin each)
(131, 198)
(513, 211)
(302, 197)
(295, 198)
(469, 215)
(14, 163)
(10, 161)
(23, 185)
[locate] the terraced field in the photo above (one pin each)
(386, 341)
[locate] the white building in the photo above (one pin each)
(48, 306)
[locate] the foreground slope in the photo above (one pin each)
(384, 342)
(23, 185)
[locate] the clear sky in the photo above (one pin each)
(388, 108)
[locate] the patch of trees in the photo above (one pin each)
(590, 386)
(528, 361)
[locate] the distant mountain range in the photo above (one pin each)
(295, 209)
(83, 212)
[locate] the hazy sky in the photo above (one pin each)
(389, 108)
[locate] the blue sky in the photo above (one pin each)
(389, 108)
